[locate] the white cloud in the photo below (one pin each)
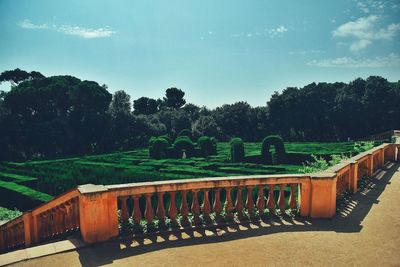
(274, 32)
(392, 60)
(27, 24)
(363, 31)
(278, 31)
(359, 45)
(367, 5)
(86, 33)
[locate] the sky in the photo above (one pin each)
(218, 52)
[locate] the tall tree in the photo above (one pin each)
(174, 98)
(16, 76)
(120, 103)
(145, 105)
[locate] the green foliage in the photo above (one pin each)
(320, 164)
(277, 142)
(159, 148)
(174, 98)
(185, 132)
(207, 146)
(363, 146)
(237, 150)
(7, 214)
(184, 143)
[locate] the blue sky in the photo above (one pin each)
(216, 51)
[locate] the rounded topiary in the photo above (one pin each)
(184, 143)
(237, 150)
(185, 132)
(206, 146)
(166, 138)
(158, 149)
(277, 142)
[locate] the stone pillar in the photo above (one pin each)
(27, 218)
(353, 176)
(323, 195)
(97, 213)
(305, 197)
(370, 164)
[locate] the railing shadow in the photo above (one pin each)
(348, 219)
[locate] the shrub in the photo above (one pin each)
(277, 142)
(166, 138)
(184, 143)
(237, 150)
(159, 148)
(363, 146)
(185, 132)
(206, 146)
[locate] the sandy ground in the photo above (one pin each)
(365, 232)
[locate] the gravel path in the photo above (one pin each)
(366, 232)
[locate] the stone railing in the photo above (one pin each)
(54, 218)
(93, 209)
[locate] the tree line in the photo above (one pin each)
(50, 117)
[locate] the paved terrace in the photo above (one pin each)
(364, 232)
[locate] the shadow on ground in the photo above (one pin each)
(348, 219)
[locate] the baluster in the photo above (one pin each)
(271, 201)
(56, 221)
(292, 198)
(260, 200)
(160, 209)
(45, 225)
(74, 213)
(148, 213)
(206, 207)
(239, 203)
(172, 211)
(217, 205)
(124, 211)
(249, 201)
(184, 209)
(63, 223)
(53, 224)
(136, 214)
(229, 203)
(195, 208)
(68, 223)
(12, 236)
(281, 200)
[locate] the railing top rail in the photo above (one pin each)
(200, 183)
(64, 197)
(12, 222)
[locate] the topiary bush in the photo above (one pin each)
(237, 150)
(159, 148)
(184, 143)
(186, 132)
(206, 145)
(277, 142)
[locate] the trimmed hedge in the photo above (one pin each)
(185, 132)
(159, 148)
(207, 146)
(237, 150)
(184, 143)
(13, 195)
(277, 142)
